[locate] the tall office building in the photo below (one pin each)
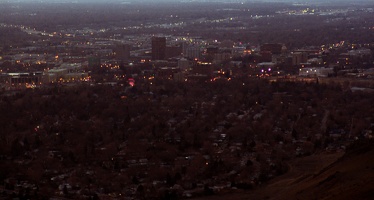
(273, 48)
(158, 48)
(299, 57)
(123, 51)
(173, 51)
(193, 52)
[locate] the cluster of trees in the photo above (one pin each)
(88, 126)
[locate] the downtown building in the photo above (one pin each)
(158, 48)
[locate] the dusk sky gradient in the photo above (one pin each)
(108, 1)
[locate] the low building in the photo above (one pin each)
(56, 74)
(183, 64)
(25, 78)
(316, 71)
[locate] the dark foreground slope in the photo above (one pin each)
(328, 177)
(351, 177)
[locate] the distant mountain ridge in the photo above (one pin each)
(158, 1)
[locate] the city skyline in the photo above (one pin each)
(186, 99)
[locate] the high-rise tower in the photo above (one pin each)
(123, 51)
(158, 48)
